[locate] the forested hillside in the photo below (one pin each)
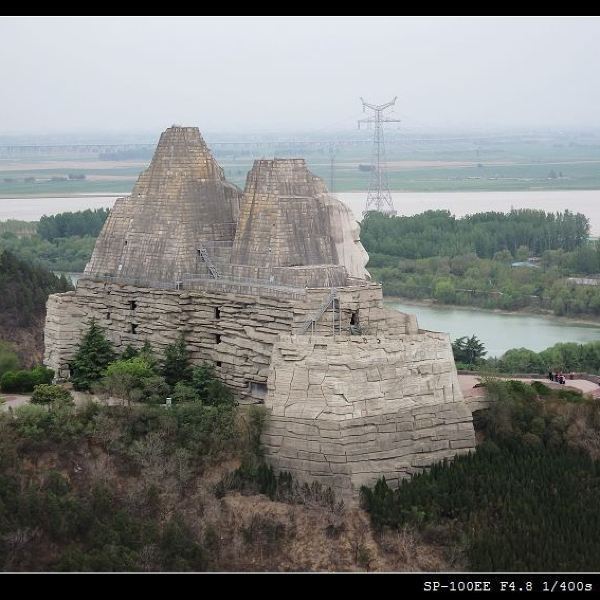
(62, 242)
(526, 500)
(24, 289)
(469, 261)
(143, 487)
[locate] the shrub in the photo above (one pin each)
(540, 388)
(9, 361)
(48, 394)
(42, 375)
(155, 390)
(136, 368)
(22, 382)
(184, 393)
(179, 550)
(133, 380)
(33, 421)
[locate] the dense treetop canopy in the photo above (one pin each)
(439, 233)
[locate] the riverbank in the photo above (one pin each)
(32, 208)
(430, 303)
(499, 331)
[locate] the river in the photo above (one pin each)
(406, 203)
(31, 209)
(499, 331)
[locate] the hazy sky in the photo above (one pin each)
(250, 73)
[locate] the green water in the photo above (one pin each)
(498, 331)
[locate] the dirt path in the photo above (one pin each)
(13, 401)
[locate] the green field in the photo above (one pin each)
(525, 162)
(63, 188)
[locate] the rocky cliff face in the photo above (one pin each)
(179, 202)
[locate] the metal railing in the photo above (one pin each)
(133, 281)
(190, 281)
(218, 244)
(243, 285)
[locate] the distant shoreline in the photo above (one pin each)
(454, 191)
(65, 195)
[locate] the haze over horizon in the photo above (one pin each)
(249, 74)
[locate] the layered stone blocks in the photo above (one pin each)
(346, 412)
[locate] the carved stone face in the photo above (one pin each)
(345, 234)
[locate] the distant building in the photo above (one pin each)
(584, 280)
(525, 263)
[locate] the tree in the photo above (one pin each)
(183, 392)
(133, 380)
(521, 360)
(468, 350)
(522, 253)
(147, 353)
(49, 394)
(209, 389)
(503, 255)
(155, 389)
(129, 352)
(444, 291)
(474, 349)
(176, 365)
(94, 355)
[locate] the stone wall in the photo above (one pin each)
(236, 331)
(346, 412)
(365, 302)
(345, 409)
(233, 331)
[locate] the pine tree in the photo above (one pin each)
(147, 353)
(129, 352)
(176, 366)
(95, 353)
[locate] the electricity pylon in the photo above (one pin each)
(379, 197)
